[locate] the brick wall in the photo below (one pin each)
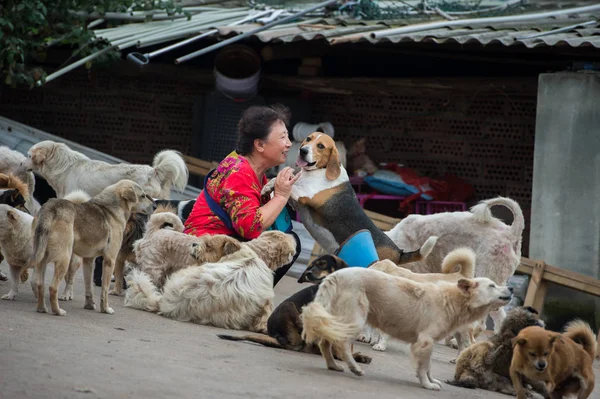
(126, 117)
(485, 135)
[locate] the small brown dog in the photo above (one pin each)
(486, 364)
(562, 361)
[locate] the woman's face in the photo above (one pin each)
(277, 144)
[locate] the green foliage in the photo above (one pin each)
(29, 27)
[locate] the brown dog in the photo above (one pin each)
(562, 361)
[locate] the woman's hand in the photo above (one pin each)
(284, 181)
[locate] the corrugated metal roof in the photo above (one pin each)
(506, 34)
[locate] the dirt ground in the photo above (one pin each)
(135, 354)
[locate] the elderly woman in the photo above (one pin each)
(231, 201)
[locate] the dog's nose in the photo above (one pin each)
(511, 289)
(303, 151)
(540, 365)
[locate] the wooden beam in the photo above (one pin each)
(536, 292)
(563, 277)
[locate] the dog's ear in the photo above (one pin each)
(231, 246)
(38, 156)
(337, 263)
(465, 285)
(333, 170)
(129, 194)
(518, 341)
(14, 194)
(556, 338)
(12, 216)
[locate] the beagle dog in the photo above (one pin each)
(327, 203)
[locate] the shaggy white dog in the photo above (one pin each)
(236, 292)
(67, 170)
(497, 246)
(164, 249)
(11, 163)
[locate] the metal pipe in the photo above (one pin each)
(143, 59)
(557, 30)
(76, 64)
(481, 21)
(252, 32)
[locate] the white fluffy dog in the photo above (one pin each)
(418, 313)
(11, 162)
(164, 249)
(496, 245)
(235, 293)
(67, 170)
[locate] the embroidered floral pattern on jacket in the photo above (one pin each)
(236, 188)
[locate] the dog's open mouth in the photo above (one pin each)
(505, 298)
(303, 164)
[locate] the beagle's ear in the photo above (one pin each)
(518, 341)
(333, 169)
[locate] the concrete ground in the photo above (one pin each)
(135, 354)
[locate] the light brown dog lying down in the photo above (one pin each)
(63, 229)
(461, 259)
(413, 312)
(562, 361)
(235, 292)
(164, 249)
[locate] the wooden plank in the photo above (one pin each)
(199, 162)
(536, 292)
(197, 170)
(563, 277)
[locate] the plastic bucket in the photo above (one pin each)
(237, 71)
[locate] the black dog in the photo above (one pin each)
(12, 197)
(285, 326)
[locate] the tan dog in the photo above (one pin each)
(164, 249)
(413, 312)
(462, 259)
(134, 231)
(327, 203)
(16, 242)
(94, 228)
(236, 292)
(562, 361)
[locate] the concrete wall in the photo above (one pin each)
(565, 216)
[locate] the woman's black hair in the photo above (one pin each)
(256, 123)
